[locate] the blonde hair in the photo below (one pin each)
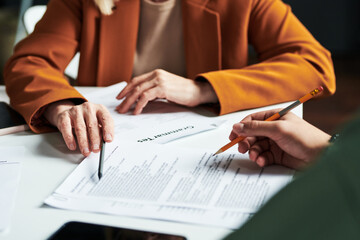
(105, 6)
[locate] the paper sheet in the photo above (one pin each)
(10, 171)
(159, 122)
(171, 183)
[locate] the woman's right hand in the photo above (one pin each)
(289, 141)
(81, 125)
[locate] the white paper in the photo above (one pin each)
(160, 121)
(10, 171)
(170, 183)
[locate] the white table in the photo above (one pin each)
(48, 162)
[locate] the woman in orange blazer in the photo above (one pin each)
(216, 37)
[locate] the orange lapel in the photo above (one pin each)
(117, 43)
(202, 37)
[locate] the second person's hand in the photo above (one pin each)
(289, 141)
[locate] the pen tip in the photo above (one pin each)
(99, 175)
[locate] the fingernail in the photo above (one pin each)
(108, 137)
(72, 146)
(95, 147)
(86, 150)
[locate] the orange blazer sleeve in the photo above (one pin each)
(34, 74)
(291, 62)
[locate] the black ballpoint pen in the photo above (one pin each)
(101, 159)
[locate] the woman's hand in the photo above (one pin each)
(161, 84)
(289, 141)
(85, 124)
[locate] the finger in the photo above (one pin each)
(245, 145)
(65, 127)
(233, 135)
(92, 126)
(80, 131)
(133, 83)
(257, 128)
(237, 130)
(265, 159)
(258, 148)
(253, 128)
(147, 96)
(263, 115)
(107, 124)
(134, 95)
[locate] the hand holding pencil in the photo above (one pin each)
(290, 141)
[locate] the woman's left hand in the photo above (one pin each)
(162, 84)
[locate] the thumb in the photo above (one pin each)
(257, 128)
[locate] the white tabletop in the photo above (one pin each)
(47, 163)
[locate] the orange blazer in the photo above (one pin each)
(217, 35)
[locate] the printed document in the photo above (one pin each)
(10, 171)
(178, 184)
(160, 121)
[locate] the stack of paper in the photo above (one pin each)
(172, 184)
(148, 180)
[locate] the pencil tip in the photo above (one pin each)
(99, 175)
(219, 151)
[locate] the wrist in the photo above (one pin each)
(207, 93)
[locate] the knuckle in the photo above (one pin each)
(235, 128)
(75, 110)
(157, 81)
(145, 95)
(88, 107)
(159, 74)
(102, 107)
(62, 125)
(135, 79)
(137, 89)
(67, 138)
(105, 117)
(86, 104)
(102, 110)
(79, 128)
(92, 124)
(252, 125)
(63, 122)
(62, 117)
(158, 71)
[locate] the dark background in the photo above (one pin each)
(334, 23)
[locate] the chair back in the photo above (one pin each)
(31, 16)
